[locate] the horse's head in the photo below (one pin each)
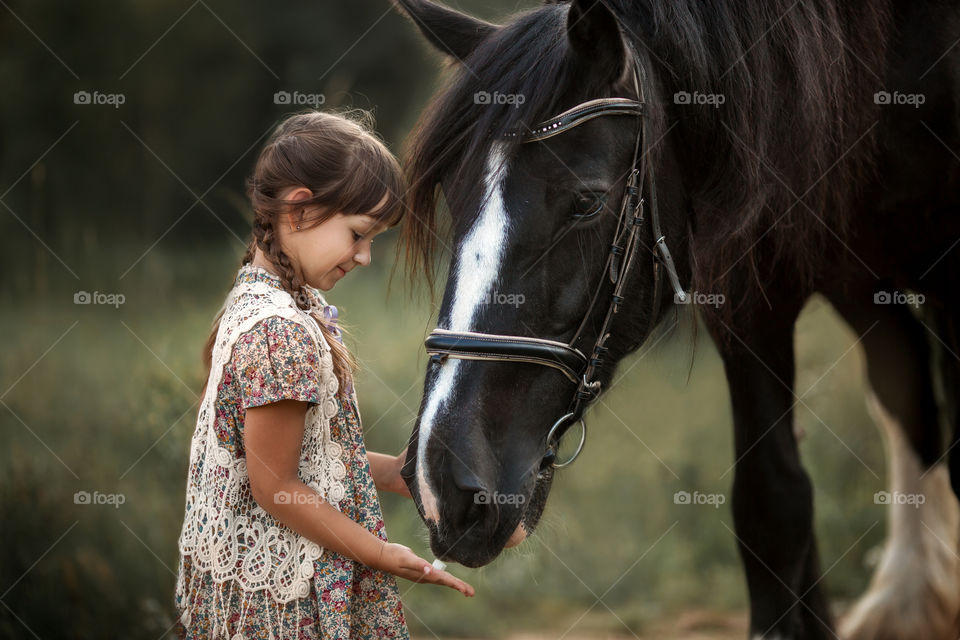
(531, 228)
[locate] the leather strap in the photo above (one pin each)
(467, 345)
(578, 115)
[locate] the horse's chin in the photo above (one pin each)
(530, 515)
(533, 510)
(519, 535)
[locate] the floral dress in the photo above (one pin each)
(277, 360)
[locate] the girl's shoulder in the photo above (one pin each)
(280, 336)
(277, 359)
(277, 349)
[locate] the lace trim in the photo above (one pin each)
(225, 531)
(254, 270)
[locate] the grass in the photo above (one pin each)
(103, 399)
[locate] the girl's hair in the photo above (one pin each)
(339, 157)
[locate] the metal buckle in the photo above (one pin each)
(593, 386)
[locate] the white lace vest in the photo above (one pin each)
(224, 530)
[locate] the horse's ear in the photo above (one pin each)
(595, 38)
(453, 33)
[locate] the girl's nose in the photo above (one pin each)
(362, 258)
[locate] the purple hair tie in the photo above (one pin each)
(332, 315)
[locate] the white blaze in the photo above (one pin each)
(478, 266)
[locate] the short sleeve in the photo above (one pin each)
(277, 360)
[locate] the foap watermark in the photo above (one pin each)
(297, 497)
(511, 299)
(485, 497)
(714, 300)
(88, 498)
(296, 98)
(899, 297)
(307, 302)
(485, 97)
(886, 498)
(98, 297)
(696, 498)
(897, 98)
(97, 98)
(700, 99)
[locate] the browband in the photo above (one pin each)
(577, 116)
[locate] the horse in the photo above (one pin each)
(606, 163)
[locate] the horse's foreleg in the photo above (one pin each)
(772, 494)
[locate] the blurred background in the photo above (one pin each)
(128, 129)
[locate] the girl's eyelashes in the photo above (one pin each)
(357, 237)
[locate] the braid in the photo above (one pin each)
(266, 238)
(251, 251)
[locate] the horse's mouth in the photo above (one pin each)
(519, 535)
(473, 548)
(532, 509)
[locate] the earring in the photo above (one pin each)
(298, 227)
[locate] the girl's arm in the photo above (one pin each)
(385, 470)
(273, 436)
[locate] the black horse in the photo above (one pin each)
(795, 147)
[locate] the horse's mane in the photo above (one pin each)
(798, 120)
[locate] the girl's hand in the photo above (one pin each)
(396, 482)
(386, 472)
(401, 561)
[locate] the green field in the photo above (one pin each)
(98, 398)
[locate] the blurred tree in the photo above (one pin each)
(197, 81)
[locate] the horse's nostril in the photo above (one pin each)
(467, 481)
(470, 487)
(466, 477)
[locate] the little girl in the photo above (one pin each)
(283, 535)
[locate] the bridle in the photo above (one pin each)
(580, 370)
(565, 357)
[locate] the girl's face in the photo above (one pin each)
(328, 251)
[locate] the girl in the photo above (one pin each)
(283, 535)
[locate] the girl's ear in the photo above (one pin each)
(295, 219)
(296, 215)
(298, 193)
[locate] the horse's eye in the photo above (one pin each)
(587, 205)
